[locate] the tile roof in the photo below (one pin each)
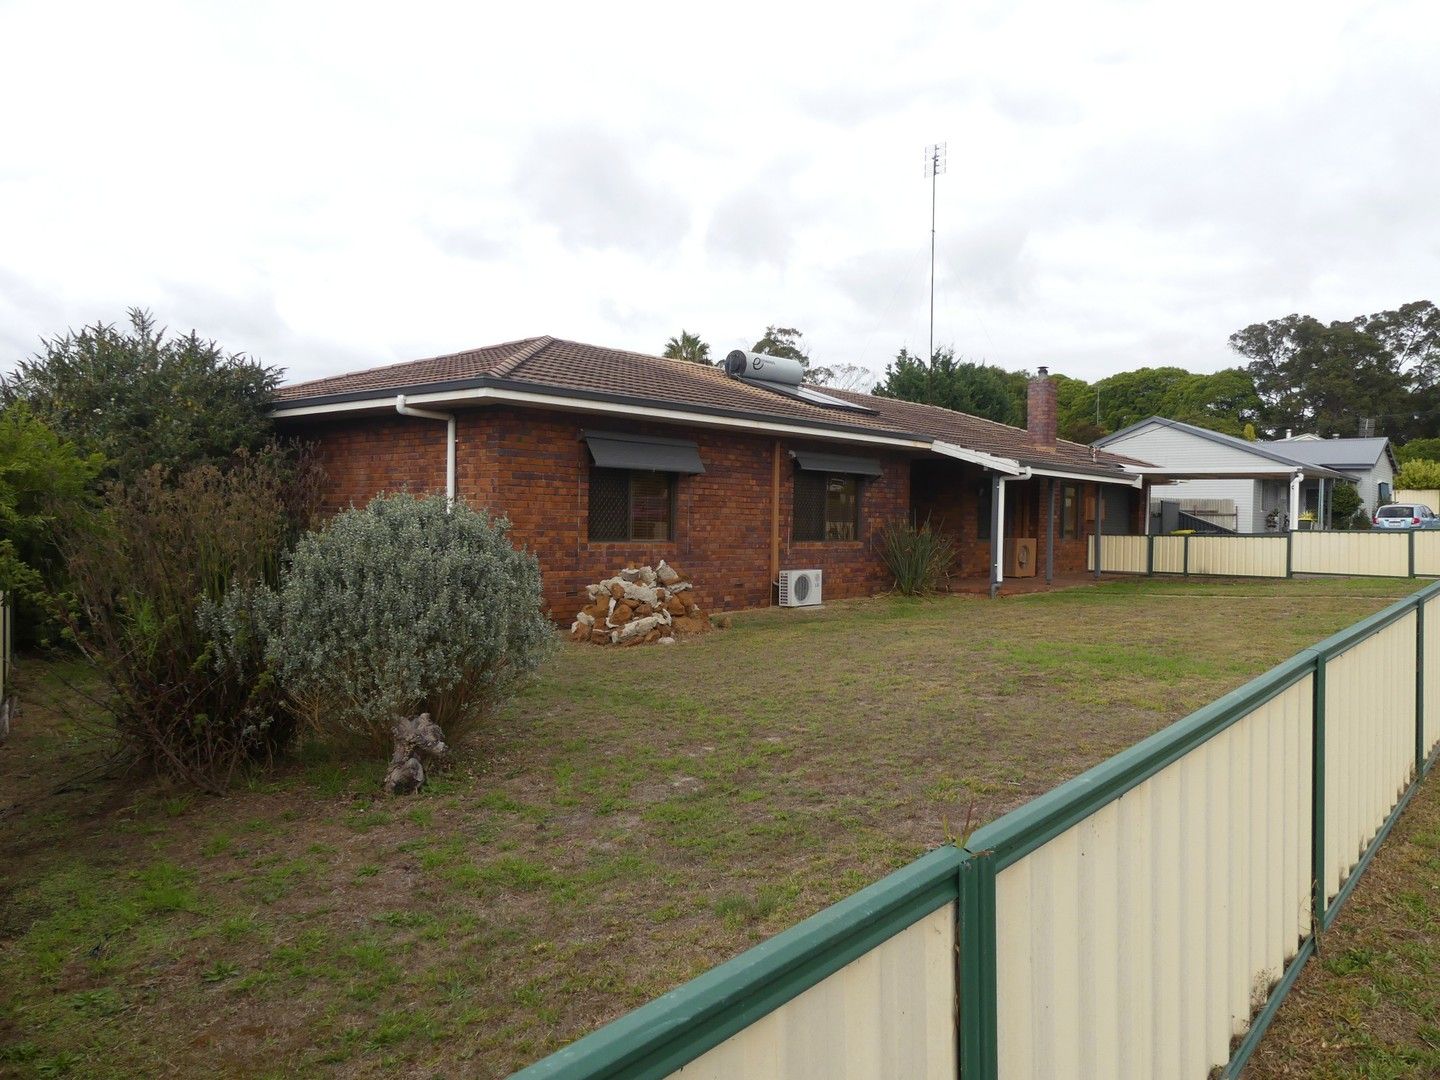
(546, 363)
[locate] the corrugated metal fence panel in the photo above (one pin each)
(1432, 676)
(1139, 941)
(1383, 554)
(1369, 742)
(1121, 554)
(891, 1012)
(1169, 554)
(1427, 553)
(1238, 556)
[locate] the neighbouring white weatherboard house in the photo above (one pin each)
(1369, 462)
(1219, 483)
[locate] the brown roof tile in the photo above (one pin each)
(550, 363)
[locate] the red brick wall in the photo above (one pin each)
(949, 494)
(533, 467)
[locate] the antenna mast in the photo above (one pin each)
(934, 166)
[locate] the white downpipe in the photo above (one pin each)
(997, 538)
(449, 418)
(1295, 481)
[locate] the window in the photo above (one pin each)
(827, 506)
(629, 504)
(1070, 511)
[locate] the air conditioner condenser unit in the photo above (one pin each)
(799, 588)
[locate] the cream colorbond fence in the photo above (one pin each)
(1427, 553)
(1385, 554)
(1365, 554)
(1255, 556)
(1136, 921)
(1429, 496)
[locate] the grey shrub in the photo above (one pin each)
(402, 607)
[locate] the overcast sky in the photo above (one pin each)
(336, 186)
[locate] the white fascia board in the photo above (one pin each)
(1061, 474)
(481, 394)
(1239, 472)
(1008, 466)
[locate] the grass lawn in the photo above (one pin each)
(1369, 1006)
(634, 818)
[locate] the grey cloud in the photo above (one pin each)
(479, 242)
(752, 226)
(590, 187)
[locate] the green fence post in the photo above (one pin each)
(1186, 546)
(1317, 797)
(979, 1012)
(1411, 534)
(1289, 557)
(1150, 556)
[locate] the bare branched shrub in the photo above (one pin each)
(406, 606)
(190, 694)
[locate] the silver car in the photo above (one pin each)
(1406, 516)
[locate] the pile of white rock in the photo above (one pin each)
(640, 605)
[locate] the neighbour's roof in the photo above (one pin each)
(1333, 453)
(1257, 448)
(581, 371)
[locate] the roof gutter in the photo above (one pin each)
(481, 394)
(426, 414)
(1126, 480)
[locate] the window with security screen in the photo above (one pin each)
(827, 506)
(631, 505)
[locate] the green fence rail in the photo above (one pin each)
(661, 1037)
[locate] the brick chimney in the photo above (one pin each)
(1040, 411)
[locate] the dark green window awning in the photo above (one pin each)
(615, 450)
(836, 463)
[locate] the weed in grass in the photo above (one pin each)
(738, 910)
(220, 971)
(218, 844)
(164, 887)
(237, 927)
(95, 1003)
(365, 819)
(368, 870)
(176, 805)
(403, 919)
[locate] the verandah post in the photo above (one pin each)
(1099, 523)
(1050, 534)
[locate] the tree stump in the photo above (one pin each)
(418, 741)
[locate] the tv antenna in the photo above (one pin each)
(934, 166)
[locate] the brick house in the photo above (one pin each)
(601, 458)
